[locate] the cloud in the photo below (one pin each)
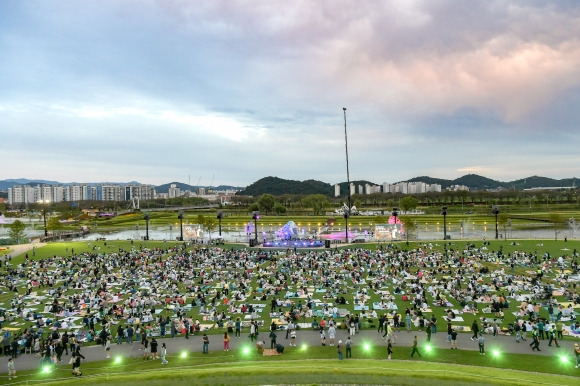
(248, 89)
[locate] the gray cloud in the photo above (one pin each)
(155, 91)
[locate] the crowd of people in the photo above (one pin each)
(115, 296)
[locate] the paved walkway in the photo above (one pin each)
(20, 249)
(403, 341)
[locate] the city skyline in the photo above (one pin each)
(231, 92)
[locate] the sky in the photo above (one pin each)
(228, 92)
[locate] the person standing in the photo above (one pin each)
(163, 354)
(76, 360)
(205, 344)
(389, 349)
(162, 324)
(577, 354)
(339, 350)
(293, 338)
(273, 338)
(536, 340)
(146, 348)
(415, 350)
(553, 336)
(352, 330)
(433, 324)
(331, 333)
(154, 346)
(495, 328)
(238, 327)
(290, 328)
(408, 322)
(226, 341)
(449, 331)
(428, 332)
(120, 334)
(108, 347)
(348, 346)
(252, 330)
(381, 323)
(540, 326)
(173, 329)
(453, 339)
(480, 343)
(322, 336)
(475, 329)
(12, 370)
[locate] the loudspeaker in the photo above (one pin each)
(326, 243)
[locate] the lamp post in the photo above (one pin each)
(220, 215)
(495, 211)
(180, 217)
(44, 203)
(347, 213)
(146, 218)
(395, 213)
(256, 216)
(444, 213)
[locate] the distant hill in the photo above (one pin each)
(5, 184)
(476, 182)
(278, 186)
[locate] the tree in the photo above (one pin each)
(54, 224)
(502, 221)
(279, 208)
(266, 203)
(408, 225)
(254, 207)
(317, 202)
(209, 223)
(16, 231)
(556, 218)
(408, 203)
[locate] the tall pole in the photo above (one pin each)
(146, 217)
(495, 211)
(180, 217)
(444, 213)
(347, 213)
(44, 215)
(220, 215)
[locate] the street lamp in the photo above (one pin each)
(395, 213)
(347, 213)
(495, 211)
(220, 215)
(180, 217)
(444, 213)
(146, 217)
(256, 216)
(44, 203)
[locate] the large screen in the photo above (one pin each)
(391, 231)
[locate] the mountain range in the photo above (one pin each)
(279, 186)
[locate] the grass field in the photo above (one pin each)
(318, 365)
(554, 248)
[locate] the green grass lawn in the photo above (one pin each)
(318, 365)
(547, 246)
(219, 368)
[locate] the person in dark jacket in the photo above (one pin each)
(76, 359)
